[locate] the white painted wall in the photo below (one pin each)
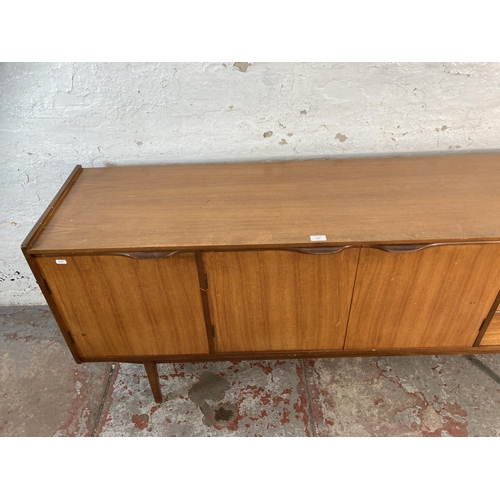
(54, 116)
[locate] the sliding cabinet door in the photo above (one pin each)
(122, 306)
(435, 296)
(279, 300)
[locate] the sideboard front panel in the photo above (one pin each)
(279, 300)
(437, 296)
(121, 306)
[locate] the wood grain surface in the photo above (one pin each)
(383, 200)
(118, 306)
(492, 335)
(279, 300)
(435, 297)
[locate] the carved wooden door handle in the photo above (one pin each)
(402, 248)
(319, 250)
(147, 255)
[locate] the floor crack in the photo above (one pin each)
(103, 400)
(484, 368)
(309, 398)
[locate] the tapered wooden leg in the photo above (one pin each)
(154, 381)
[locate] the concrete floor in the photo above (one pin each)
(45, 393)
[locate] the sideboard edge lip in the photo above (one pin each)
(237, 248)
(50, 210)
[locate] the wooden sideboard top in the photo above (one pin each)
(384, 200)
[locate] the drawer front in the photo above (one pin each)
(492, 335)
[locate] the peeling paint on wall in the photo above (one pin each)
(242, 66)
(54, 116)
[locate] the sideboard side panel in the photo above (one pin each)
(121, 306)
(279, 300)
(434, 297)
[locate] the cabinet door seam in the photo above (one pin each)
(203, 282)
(486, 322)
(352, 299)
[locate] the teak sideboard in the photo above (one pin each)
(363, 257)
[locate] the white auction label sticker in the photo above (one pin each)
(60, 261)
(318, 237)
